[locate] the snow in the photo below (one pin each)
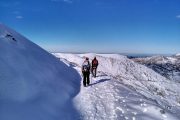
(107, 99)
(178, 54)
(124, 90)
(34, 85)
(166, 66)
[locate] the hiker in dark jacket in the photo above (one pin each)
(94, 66)
(86, 71)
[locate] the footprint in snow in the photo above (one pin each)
(134, 113)
(133, 118)
(126, 117)
(120, 109)
(145, 110)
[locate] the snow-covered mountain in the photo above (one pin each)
(104, 99)
(178, 54)
(168, 67)
(34, 85)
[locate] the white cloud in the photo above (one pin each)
(178, 16)
(19, 17)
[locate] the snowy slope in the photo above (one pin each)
(108, 99)
(178, 54)
(34, 85)
(146, 93)
(168, 67)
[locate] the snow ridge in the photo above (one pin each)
(178, 54)
(147, 84)
(168, 67)
(34, 85)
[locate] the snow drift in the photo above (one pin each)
(34, 85)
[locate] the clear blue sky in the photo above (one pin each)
(123, 26)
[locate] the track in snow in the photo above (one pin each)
(109, 98)
(106, 98)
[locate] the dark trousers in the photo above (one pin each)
(86, 78)
(94, 71)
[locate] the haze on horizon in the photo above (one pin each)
(112, 26)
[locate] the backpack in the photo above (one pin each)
(86, 66)
(95, 63)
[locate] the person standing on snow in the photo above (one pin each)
(94, 66)
(86, 71)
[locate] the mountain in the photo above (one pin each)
(168, 67)
(34, 85)
(178, 54)
(124, 89)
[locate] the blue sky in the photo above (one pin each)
(113, 26)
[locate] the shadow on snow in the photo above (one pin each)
(99, 81)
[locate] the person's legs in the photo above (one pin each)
(84, 79)
(88, 81)
(95, 72)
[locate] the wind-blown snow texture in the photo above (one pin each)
(124, 90)
(34, 85)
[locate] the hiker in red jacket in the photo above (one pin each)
(94, 66)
